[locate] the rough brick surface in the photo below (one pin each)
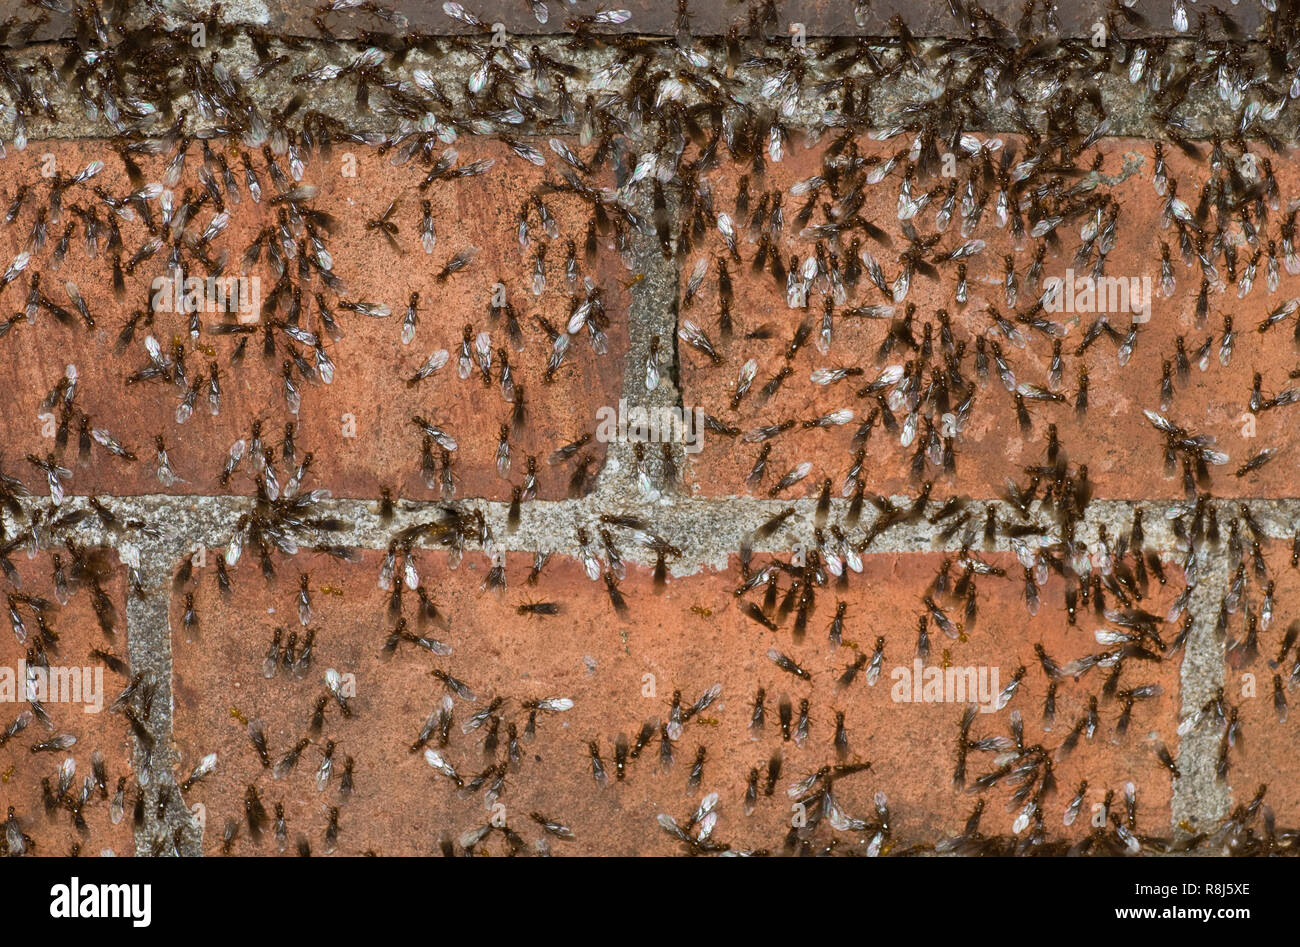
(623, 672)
(1120, 447)
(1260, 754)
(617, 155)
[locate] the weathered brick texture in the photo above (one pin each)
(76, 690)
(575, 186)
(358, 426)
(624, 671)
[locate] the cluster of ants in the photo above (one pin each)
(659, 118)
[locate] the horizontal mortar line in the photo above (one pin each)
(651, 317)
(877, 40)
(453, 65)
(820, 19)
(1173, 42)
(234, 19)
(1143, 133)
(544, 135)
(707, 530)
(149, 646)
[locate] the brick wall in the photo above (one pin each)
(409, 580)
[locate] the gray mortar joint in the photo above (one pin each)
(709, 531)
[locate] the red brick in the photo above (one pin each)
(1121, 448)
(688, 638)
(820, 17)
(371, 363)
(23, 770)
(1265, 754)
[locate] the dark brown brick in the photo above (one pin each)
(23, 770)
